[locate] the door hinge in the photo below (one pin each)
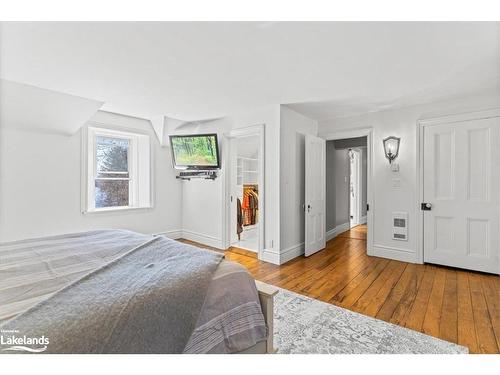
(367, 207)
(425, 206)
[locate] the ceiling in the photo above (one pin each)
(196, 71)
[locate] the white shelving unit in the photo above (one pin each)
(247, 170)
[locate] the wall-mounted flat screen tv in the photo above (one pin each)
(197, 151)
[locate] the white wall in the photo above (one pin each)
(40, 186)
(202, 200)
(401, 123)
(293, 129)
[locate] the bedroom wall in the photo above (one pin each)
(386, 199)
(293, 128)
(40, 186)
(202, 200)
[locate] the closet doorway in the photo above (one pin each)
(245, 188)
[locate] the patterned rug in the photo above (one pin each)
(304, 325)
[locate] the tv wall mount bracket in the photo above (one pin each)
(188, 175)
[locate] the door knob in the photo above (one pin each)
(308, 208)
(426, 206)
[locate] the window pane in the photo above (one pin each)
(112, 155)
(111, 193)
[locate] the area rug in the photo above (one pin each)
(304, 325)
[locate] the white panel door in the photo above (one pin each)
(315, 194)
(461, 183)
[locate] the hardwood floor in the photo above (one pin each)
(454, 305)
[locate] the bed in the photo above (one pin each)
(117, 291)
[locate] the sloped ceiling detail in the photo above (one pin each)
(32, 108)
(163, 126)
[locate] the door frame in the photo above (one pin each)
(370, 214)
(254, 130)
(421, 124)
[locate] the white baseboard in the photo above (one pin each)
(173, 234)
(363, 220)
(267, 255)
(192, 236)
(291, 252)
(270, 257)
(202, 238)
(394, 253)
(332, 233)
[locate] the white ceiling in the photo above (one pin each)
(195, 71)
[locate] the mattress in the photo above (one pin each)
(33, 271)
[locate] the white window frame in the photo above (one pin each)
(139, 196)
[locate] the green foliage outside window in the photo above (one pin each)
(195, 150)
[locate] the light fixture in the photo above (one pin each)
(391, 148)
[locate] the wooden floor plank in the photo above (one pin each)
(492, 295)
(432, 320)
(466, 332)
(363, 286)
(416, 317)
(364, 302)
(375, 267)
(396, 294)
(403, 309)
(376, 303)
(484, 329)
(448, 328)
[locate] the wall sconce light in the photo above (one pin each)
(391, 148)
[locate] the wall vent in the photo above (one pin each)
(400, 226)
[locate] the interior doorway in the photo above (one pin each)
(347, 187)
(245, 188)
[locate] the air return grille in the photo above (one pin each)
(400, 226)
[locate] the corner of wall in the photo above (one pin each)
(291, 252)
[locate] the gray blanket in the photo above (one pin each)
(145, 301)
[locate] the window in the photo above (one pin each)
(118, 170)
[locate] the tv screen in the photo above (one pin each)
(198, 151)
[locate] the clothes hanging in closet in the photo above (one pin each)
(239, 218)
(250, 205)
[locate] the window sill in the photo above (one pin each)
(115, 210)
